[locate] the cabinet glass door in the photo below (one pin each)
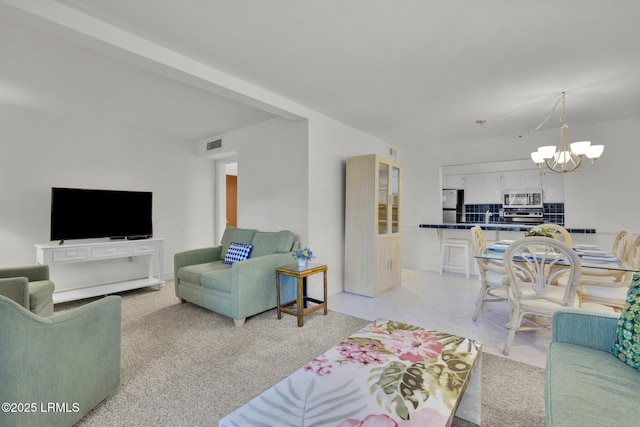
(383, 198)
(395, 200)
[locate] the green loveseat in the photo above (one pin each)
(586, 385)
(54, 370)
(239, 290)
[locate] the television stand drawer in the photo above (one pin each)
(145, 247)
(76, 254)
(110, 251)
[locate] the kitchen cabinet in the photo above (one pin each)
(553, 187)
(453, 182)
(521, 180)
(473, 189)
(492, 188)
(530, 179)
(372, 224)
(483, 188)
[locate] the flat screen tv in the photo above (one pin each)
(78, 213)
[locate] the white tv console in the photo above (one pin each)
(53, 253)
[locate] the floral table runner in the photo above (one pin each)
(387, 374)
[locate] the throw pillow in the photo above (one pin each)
(237, 252)
(627, 344)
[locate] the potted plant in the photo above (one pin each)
(303, 256)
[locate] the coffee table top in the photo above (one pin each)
(387, 370)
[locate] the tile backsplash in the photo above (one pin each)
(553, 213)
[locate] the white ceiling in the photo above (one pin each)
(409, 71)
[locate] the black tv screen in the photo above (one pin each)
(78, 213)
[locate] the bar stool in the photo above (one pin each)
(445, 254)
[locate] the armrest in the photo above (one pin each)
(33, 273)
(16, 289)
(195, 256)
(586, 328)
(258, 275)
(74, 356)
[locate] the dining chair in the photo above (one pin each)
(621, 248)
(492, 274)
(532, 264)
(558, 232)
(610, 291)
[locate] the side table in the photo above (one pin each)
(299, 306)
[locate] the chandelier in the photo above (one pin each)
(567, 157)
(574, 157)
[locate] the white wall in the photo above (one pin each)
(330, 143)
(40, 150)
(272, 175)
(605, 197)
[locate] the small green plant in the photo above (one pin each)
(538, 232)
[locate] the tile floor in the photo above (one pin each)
(446, 303)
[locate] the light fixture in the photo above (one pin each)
(574, 157)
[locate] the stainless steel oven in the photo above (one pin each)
(524, 217)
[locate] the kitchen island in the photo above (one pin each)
(428, 237)
(498, 226)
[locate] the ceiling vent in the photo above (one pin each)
(214, 145)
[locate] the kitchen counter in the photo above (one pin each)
(496, 226)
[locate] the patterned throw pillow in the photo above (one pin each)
(237, 252)
(627, 344)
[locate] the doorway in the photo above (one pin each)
(225, 167)
(232, 194)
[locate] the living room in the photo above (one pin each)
(81, 107)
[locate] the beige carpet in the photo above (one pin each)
(186, 366)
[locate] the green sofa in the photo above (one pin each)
(54, 370)
(29, 286)
(586, 385)
(239, 290)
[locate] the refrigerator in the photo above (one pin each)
(452, 206)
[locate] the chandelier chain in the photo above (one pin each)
(537, 128)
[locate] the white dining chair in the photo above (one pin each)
(610, 291)
(539, 261)
(558, 232)
(493, 287)
(621, 248)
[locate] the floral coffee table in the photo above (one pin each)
(387, 374)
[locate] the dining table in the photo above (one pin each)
(590, 256)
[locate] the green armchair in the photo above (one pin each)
(30, 287)
(57, 368)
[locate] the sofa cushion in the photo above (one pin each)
(581, 381)
(271, 242)
(219, 280)
(237, 252)
(627, 344)
(193, 273)
(235, 235)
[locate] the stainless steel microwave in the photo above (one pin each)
(522, 199)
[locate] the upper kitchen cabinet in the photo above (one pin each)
(453, 182)
(482, 188)
(553, 187)
(491, 188)
(372, 224)
(522, 179)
